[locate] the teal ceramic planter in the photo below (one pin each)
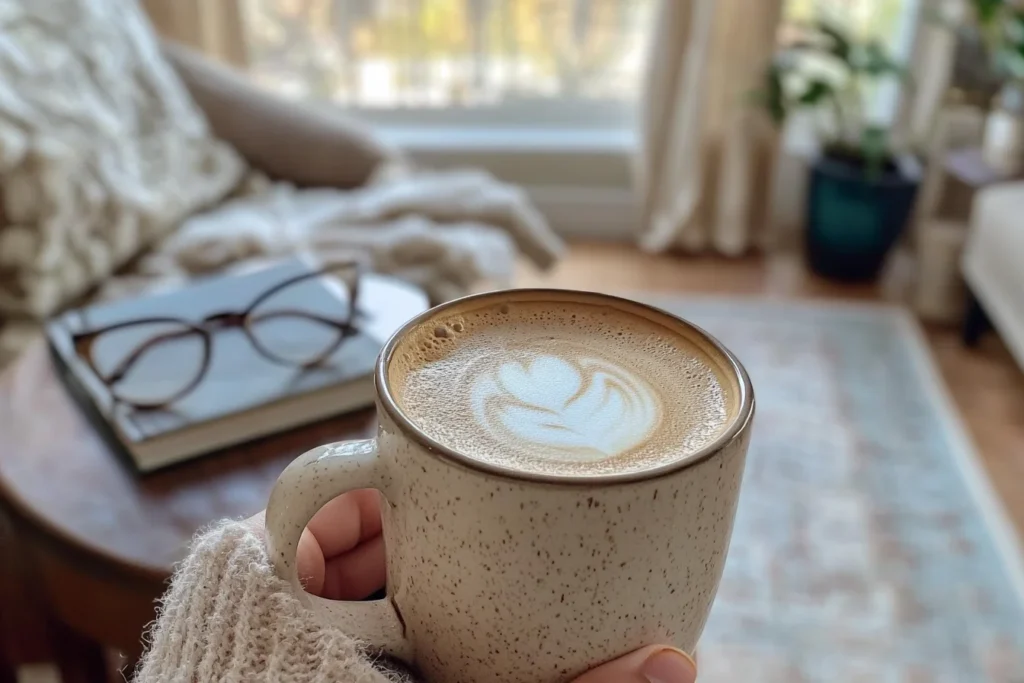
(853, 222)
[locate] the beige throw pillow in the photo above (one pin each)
(102, 151)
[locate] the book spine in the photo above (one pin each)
(89, 410)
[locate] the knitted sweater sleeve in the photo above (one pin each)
(228, 618)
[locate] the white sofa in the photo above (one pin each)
(993, 266)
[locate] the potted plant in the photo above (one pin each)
(861, 190)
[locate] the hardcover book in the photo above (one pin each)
(171, 376)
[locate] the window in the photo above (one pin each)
(455, 62)
(542, 93)
(882, 19)
(893, 22)
(496, 63)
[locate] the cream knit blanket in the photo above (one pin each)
(449, 232)
(227, 618)
(445, 231)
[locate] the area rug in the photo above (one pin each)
(869, 545)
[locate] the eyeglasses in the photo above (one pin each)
(149, 363)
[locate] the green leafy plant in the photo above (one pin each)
(1002, 28)
(999, 24)
(827, 72)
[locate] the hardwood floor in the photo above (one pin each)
(988, 387)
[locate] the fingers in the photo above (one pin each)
(346, 521)
(357, 573)
(655, 664)
(341, 552)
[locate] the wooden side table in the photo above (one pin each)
(99, 541)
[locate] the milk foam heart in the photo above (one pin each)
(559, 388)
(576, 409)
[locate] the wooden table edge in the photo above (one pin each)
(25, 518)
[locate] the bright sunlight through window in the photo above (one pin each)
(476, 61)
(449, 53)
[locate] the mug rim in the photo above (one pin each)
(735, 429)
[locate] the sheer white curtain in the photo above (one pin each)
(931, 66)
(706, 155)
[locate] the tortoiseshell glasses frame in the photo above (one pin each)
(203, 330)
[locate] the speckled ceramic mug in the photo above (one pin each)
(499, 574)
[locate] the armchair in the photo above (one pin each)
(991, 268)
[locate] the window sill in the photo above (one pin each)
(581, 180)
(508, 140)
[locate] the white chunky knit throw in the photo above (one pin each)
(102, 150)
(227, 618)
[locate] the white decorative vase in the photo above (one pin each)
(1003, 143)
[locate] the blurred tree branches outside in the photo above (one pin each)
(463, 53)
(448, 52)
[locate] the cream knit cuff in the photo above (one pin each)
(228, 618)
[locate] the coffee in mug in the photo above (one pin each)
(572, 389)
(560, 473)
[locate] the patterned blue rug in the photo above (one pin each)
(869, 545)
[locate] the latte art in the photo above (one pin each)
(559, 388)
(582, 409)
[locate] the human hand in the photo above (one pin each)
(341, 557)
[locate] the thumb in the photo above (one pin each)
(655, 664)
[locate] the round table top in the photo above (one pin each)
(57, 473)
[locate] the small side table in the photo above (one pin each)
(968, 166)
(939, 293)
(99, 541)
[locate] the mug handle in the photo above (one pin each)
(310, 481)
